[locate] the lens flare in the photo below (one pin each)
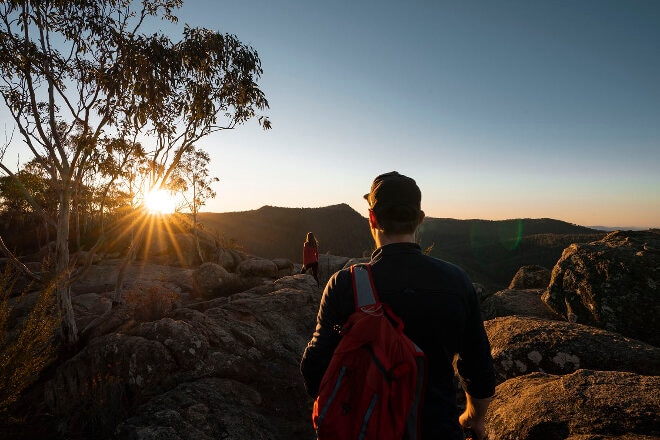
(159, 201)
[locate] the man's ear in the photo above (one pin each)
(421, 217)
(373, 223)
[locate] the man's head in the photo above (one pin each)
(395, 201)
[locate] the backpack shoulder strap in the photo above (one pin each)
(364, 291)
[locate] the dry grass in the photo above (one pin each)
(151, 303)
(29, 347)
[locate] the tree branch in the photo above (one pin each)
(18, 263)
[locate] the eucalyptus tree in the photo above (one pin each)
(118, 167)
(76, 72)
(193, 181)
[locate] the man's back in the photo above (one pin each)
(440, 311)
(436, 302)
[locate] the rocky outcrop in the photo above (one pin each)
(223, 367)
(206, 409)
(530, 277)
(221, 359)
(88, 306)
(102, 277)
(523, 345)
(583, 405)
(516, 302)
(611, 284)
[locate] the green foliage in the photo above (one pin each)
(193, 181)
(78, 75)
(26, 350)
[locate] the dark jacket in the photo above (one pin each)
(440, 311)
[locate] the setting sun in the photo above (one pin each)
(159, 201)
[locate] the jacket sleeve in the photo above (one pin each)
(474, 364)
(336, 305)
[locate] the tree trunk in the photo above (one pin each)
(76, 201)
(194, 215)
(62, 272)
(200, 254)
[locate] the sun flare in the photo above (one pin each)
(159, 201)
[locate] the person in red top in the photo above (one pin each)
(311, 256)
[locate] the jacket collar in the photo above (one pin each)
(395, 248)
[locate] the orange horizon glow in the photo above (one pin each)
(160, 201)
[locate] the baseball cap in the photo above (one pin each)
(394, 190)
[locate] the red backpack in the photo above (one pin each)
(375, 381)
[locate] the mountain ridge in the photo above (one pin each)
(491, 251)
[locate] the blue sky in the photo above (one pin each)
(499, 110)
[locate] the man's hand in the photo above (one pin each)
(474, 416)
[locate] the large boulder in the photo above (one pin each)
(522, 345)
(229, 258)
(183, 251)
(516, 302)
(530, 277)
(583, 405)
(329, 264)
(209, 279)
(257, 267)
(611, 284)
(353, 261)
(284, 267)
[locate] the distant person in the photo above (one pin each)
(311, 256)
(437, 303)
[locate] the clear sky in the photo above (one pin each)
(499, 110)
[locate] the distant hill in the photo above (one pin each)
(620, 228)
(490, 251)
(273, 232)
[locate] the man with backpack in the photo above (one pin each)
(437, 308)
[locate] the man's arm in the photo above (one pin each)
(475, 369)
(331, 316)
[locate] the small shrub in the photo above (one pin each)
(27, 349)
(152, 303)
